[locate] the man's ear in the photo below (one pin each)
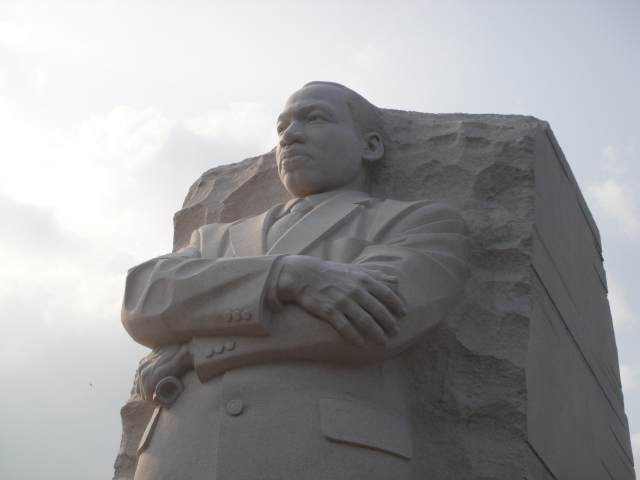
(374, 148)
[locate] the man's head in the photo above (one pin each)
(365, 115)
(328, 137)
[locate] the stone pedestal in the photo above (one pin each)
(522, 379)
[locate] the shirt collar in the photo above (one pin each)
(350, 196)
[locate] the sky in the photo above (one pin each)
(110, 110)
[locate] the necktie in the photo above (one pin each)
(288, 220)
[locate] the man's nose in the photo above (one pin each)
(293, 134)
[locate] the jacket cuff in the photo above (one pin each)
(271, 299)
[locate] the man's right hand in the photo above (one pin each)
(358, 302)
(167, 361)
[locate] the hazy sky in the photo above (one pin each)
(109, 110)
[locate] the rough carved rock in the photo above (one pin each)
(471, 374)
(135, 416)
(225, 194)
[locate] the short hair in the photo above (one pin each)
(366, 116)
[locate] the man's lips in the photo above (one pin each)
(293, 158)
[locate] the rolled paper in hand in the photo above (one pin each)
(167, 391)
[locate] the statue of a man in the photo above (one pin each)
(285, 328)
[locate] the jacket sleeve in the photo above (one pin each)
(175, 297)
(423, 244)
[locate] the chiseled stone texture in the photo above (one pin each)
(135, 414)
(522, 379)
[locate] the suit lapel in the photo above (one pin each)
(248, 237)
(318, 223)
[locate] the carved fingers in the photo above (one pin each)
(167, 361)
(358, 302)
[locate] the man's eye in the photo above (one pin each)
(314, 117)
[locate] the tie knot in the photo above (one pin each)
(303, 206)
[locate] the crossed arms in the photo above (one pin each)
(400, 283)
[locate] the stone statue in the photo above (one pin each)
(285, 329)
(427, 300)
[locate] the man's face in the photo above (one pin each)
(318, 149)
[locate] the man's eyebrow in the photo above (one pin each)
(289, 112)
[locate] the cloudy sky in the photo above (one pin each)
(109, 110)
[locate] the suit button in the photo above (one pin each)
(218, 348)
(227, 316)
(208, 352)
(236, 315)
(246, 315)
(229, 345)
(235, 407)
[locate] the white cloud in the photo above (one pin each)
(19, 62)
(125, 136)
(609, 152)
(635, 446)
(621, 312)
(517, 109)
(121, 177)
(616, 201)
(242, 122)
(611, 160)
(629, 377)
(15, 36)
(366, 58)
(358, 69)
(93, 183)
(52, 276)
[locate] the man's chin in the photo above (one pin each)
(299, 185)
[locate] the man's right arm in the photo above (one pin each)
(175, 297)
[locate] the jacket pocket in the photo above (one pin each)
(356, 423)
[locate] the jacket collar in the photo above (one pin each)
(248, 238)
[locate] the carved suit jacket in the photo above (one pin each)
(212, 294)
